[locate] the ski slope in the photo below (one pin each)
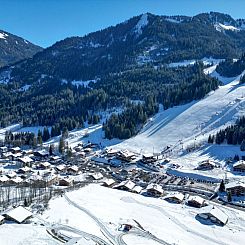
(191, 123)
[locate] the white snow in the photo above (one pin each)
(141, 24)
(24, 88)
(3, 35)
(182, 125)
(221, 27)
(206, 61)
(27, 234)
(173, 223)
(173, 20)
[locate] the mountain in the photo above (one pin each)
(71, 81)
(14, 48)
(141, 40)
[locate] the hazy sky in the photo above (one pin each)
(44, 22)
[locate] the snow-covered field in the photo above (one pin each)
(173, 223)
(191, 123)
(26, 234)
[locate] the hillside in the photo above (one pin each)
(188, 124)
(14, 48)
(69, 82)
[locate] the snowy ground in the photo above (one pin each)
(173, 223)
(26, 234)
(191, 124)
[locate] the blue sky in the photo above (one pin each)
(44, 22)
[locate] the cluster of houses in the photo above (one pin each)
(239, 166)
(38, 168)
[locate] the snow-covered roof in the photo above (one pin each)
(17, 180)
(127, 183)
(45, 164)
(178, 196)
(25, 169)
(137, 189)
(19, 214)
(25, 159)
(73, 168)
(154, 187)
(97, 176)
(216, 212)
(234, 184)
(4, 178)
(108, 181)
(15, 149)
(197, 199)
(240, 163)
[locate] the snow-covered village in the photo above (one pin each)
(131, 135)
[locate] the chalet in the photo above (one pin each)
(72, 170)
(66, 181)
(111, 152)
(15, 150)
(4, 179)
(15, 181)
(41, 153)
(126, 185)
(214, 214)
(44, 165)
(148, 159)
(24, 170)
(19, 215)
(11, 174)
(137, 189)
(1, 219)
(7, 155)
(239, 166)
(196, 201)
(60, 168)
(126, 156)
(97, 176)
(175, 198)
(236, 188)
(25, 161)
(55, 159)
(27, 152)
(206, 165)
(154, 189)
(108, 182)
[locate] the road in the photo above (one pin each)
(116, 239)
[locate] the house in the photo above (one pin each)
(28, 152)
(214, 214)
(111, 152)
(126, 185)
(15, 181)
(239, 166)
(126, 156)
(72, 170)
(55, 159)
(108, 182)
(15, 150)
(236, 188)
(97, 176)
(148, 158)
(206, 165)
(196, 201)
(24, 170)
(1, 219)
(60, 168)
(137, 189)
(66, 181)
(175, 198)
(19, 215)
(41, 153)
(11, 174)
(154, 189)
(4, 179)
(25, 161)
(44, 165)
